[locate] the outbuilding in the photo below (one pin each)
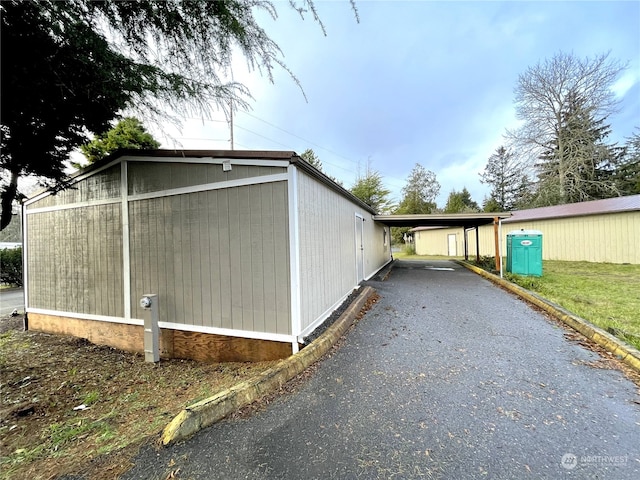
(248, 252)
(597, 231)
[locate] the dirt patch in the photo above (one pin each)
(69, 405)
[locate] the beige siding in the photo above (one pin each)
(145, 177)
(611, 238)
(435, 241)
(327, 223)
(377, 246)
(101, 186)
(216, 259)
(75, 260)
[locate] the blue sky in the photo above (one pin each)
(416, 82)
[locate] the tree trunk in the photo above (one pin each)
(8, 196)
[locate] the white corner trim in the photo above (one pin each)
(359, 247)
(241, 182)
(294, 252)
(126, 247)
(25, 258)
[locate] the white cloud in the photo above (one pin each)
(625, 83)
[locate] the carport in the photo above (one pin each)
(468, 221)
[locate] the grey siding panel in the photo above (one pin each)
(145, 177)
(327, 247)
(101, 186)
(75, 260)
(217, 258)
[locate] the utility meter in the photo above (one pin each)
(145, 302)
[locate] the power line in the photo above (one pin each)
(259, 135)
(349, 170)
(301, 138)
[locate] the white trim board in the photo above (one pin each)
(46, 193)
(212, 161)
(294, 254)
(327, 313)
(323, 316)
(86, 316)
(240, 182)
(276, 337)
(67, 206)
(25, 258)
(375, 272)
(126, 239)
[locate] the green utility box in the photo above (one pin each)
(524, 252)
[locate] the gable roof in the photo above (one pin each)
(595, 207)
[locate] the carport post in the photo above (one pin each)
(477, 245)
(496, 234)
(500, 243)
(466, 247)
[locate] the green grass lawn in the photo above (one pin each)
(413, 256)
(605, 294)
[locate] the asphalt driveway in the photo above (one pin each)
(447, 376)
(10, 299)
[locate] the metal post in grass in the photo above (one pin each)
(149, 302)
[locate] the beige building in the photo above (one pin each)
(248, 252)
(597, 231)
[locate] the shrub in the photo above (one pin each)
(409, 249)
(486, 263)
(11, 266)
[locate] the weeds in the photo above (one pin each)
(486, 262)
(409, 249)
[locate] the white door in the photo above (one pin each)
(359, 249)
(451, 244)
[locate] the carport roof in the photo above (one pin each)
(466, 220)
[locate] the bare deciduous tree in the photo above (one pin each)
(562, 102)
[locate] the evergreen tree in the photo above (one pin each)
(627, 174)
(311, 158)
(507, 180)
(420, 192)
(69, 68)
(370, 190)
(129, 133)
(577, 165)
(490, 204)
(461, 202)
(418, 197)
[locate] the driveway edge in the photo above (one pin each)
(624, 352)
(210, 410)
